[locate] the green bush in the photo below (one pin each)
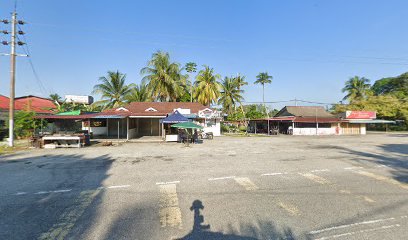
(225, 128)
(242, 128)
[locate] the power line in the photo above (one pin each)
(36, 76)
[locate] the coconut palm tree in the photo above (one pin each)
(230, 94)
(191, 68)
(113, 90)
(139, 93)
(263, 78)
(164, 78)
(55, 97)
(356, 88)
(240, 81)
(207, 86)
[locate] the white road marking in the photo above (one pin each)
(320, 170)
(119, 186)
(220, 178)
(361, 231)
(169, 213)
(43, 192)
(383, 179)
(351, 168)
(292, 209)
(68, 219)
(274, 174)
(351, 225)
(315, 178)
(246, 183)
(165, 183)
(20, 193)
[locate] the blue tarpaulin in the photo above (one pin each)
(176, 117)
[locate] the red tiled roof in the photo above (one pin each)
(162, 108)
(28, 103)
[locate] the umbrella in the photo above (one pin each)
(176, 117)
(187, 125)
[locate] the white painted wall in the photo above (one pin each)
(215, 129)
(96, 130)
(312, 131)
(363, 130)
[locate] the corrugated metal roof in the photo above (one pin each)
(303, 111)
(371, 121)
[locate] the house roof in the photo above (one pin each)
(29, 103)
(157, 108)
(304, 111)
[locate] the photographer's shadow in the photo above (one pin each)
(203, 232)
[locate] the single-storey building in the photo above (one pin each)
(139, 119)
(314, 120)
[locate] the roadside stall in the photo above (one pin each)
(171, 134)
(188, 125)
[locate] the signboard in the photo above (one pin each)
(360, 115)
(79, 99)
(208, 113)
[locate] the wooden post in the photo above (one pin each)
(107, 127)
(268, 126)
(127, 128)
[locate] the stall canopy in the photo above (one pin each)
(176, 117)
(187, 125)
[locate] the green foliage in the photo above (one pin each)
(55, 97)
(387, 107)
(397, 86)
(225, 128)
(139, 93)
(164, 78)
(356, 89)
(112, 89)
(68, 107)
(231, 94)
(25, 123)
(208, 88)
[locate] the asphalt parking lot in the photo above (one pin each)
(285, 187)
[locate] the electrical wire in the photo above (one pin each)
(36, 76)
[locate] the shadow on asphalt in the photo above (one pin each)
(44, 208)
(262, 230)
(395, 157)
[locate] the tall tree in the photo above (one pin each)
(230, 94)
(191, 68)
(55, 97)
(207, 86)
(397, 86)
(263, 78)
(356, 88)
(240, 81)
(113, 90)
(164, 78)
(139, 93)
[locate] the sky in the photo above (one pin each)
(309, 47)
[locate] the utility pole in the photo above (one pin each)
(12, 78)
(13, 55)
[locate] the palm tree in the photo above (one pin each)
(263, 78)
(55, 97)
(230, 94)
(164, 78)
(113, 90)
(356, 88)
(240, 81)
(139, 93)
(207, 86)
(191, 68)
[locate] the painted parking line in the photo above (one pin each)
(291, 209)
(221, 178)
(274, 174)
(165, 183)
(383, 179)
(246, 183)
(352, 225)
(320, 170)
(68, 219)
(118, 186)
(315, 178)
(348, 234)
(169, 213)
